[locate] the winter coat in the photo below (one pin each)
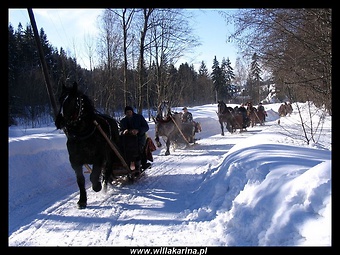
(187, 117)
(137, 121)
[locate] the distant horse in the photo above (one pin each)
(230, 118)
(256, 117)
(289, 108)
(85, 143)
(168, 125)
(225, 116)
(282, 110)
(285, 109)
(250, 107)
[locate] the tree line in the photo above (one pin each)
(294, 46)
(137, 51)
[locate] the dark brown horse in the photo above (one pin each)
(289, 108)
(256, 117)
(282, 110)
(285, 109)
(85, 142)
(225, 116)
(230, 118)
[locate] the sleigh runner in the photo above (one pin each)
(121, 174)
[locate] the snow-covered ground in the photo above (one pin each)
(262, 187)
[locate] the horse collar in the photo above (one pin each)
(81, 136)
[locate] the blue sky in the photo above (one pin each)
(68, 28)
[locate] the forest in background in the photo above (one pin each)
(138, 49)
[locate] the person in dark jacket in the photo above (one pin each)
(189, 129)
(186, 116)
(135, 124)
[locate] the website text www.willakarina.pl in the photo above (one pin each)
(169, 250)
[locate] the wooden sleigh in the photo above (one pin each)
(129, 167)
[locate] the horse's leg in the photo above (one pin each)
(231, 125)
(167, 152)
(158, 143)
(107, 174)
(192, 134)
(222, 130)
(94, 177)
(78, 169)
(262, 119)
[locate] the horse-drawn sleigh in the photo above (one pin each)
(256, 115)
(94, 139)
(170, 125)
(238, 117)
(232, 118)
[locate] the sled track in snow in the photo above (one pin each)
(125, 204)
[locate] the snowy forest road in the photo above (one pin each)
(165, 198)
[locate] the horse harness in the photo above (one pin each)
(76, 118)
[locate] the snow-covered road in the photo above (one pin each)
(192, 197)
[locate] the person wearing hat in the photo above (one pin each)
(134, 124)
(186, 116)
(189, 125)
(260, 107)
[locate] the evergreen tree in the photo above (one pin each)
(28, 98)
(218, 80)
(255, 79)
(203, 70)
(205, 85)
(228, 76)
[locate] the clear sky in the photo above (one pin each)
(68, 28)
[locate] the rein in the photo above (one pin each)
(112, 145)
(180, 130)
(257, 116)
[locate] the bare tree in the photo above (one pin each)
(295, 44)
(170, 37)
(141, 62)
(126, 17)
(110, 52)
(89, 49)
(164, 36)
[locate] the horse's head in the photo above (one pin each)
(198, 127)
(72, 105)
(164, 110)
(221, 106)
